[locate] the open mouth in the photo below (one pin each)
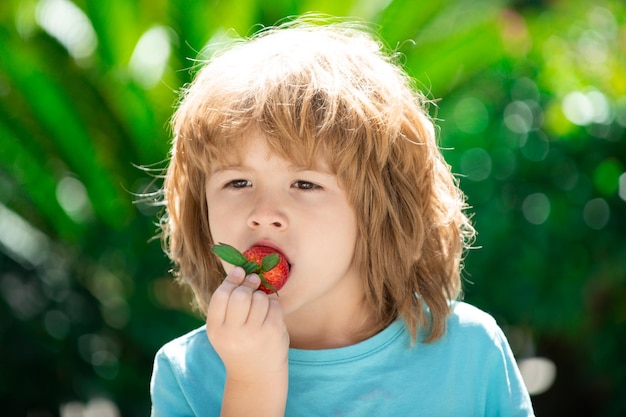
(268, 262)
(274, 268)
(272, 248)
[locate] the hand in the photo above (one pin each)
(247, 329)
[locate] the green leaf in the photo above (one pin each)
(267, 285)
(269, 262)
(250, 267)
(230, 254)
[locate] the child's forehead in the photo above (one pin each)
(236, 153)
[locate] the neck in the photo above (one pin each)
(327, 328)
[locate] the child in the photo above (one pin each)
(309, 139)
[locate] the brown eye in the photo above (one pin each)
(238, 184)
(306, 185)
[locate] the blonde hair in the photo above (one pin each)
(327, 90)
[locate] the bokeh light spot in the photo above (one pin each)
(622, 186)
(72, 196)
(592, 47)
(66, 22)
(620, 111)
(24, 297)
(102, 353)
(597, 213)
(471, 115)
(603, 20)
(518, 117)
(536, 208)
(525, 89)
(96, 407)
(150, 56)
(22, 241)
(577, 108)
(538, 374)
(476, 164)
(583, 109)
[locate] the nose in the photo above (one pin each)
(267, 212)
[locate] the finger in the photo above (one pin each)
(259, 309)
(239, 305)
(274, 313)
(236, 276)
(252, 281)
(276, 321)
(240, 302)
(216, 312)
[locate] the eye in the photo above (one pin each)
(238, 184)
(306, 185)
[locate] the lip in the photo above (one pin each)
(274, 246)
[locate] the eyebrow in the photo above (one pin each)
(230, 167)
(292, 168)
(319, 170)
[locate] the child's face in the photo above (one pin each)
(303, 212)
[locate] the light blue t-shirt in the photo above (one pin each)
(470, 371)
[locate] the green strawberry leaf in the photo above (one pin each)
(250, 267)
(269, 262)
(229, 254)
(267, 284)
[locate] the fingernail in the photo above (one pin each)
(254, 279)
(238, 272)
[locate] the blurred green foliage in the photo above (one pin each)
(531, 101)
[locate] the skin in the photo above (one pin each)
(247, 330)
(305, 213)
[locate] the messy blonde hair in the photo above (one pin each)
(331, 90)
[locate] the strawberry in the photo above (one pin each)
(269, 264)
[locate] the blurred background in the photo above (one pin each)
(532, 114)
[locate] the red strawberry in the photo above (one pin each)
(275, 276)
(269, 264)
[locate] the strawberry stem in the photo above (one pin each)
(267, 285)
(234, 257)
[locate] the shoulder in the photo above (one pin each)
(467, 316)
(485, 350)
(185, 342)
(187, 377)
(179, 352)
(473, 325)
(475, 334)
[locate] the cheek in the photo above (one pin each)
(220, 232)
(218, 221)
(228, 220)
(339, 232)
